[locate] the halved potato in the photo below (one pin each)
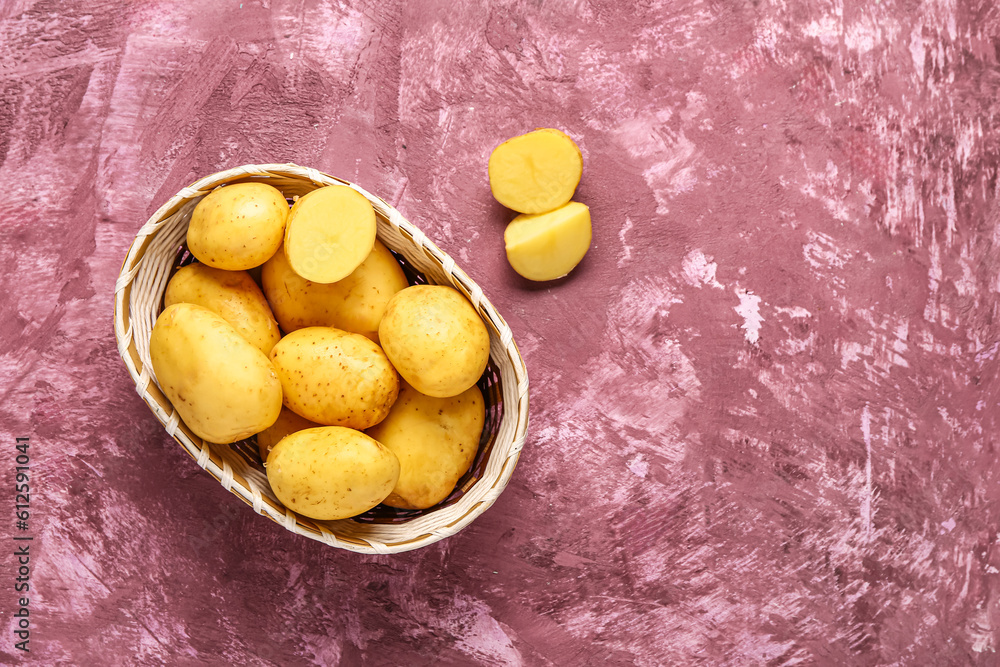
(330, 231)
(535, 172)
(548, 245)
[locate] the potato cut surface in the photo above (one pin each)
(549, 245)
(330, 231)
(535, 172)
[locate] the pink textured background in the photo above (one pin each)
(764, 408)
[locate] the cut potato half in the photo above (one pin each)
(330, 231)
(535, 172)
(549, 245)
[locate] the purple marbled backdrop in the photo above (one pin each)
(763, 408)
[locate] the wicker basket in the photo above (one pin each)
(158, 250)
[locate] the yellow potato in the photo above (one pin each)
(330, 232)
(233, 295)
(548, 245)
(535, 172)
(331, 472)
(288, 422)
(238, 227)
(223, 387)
(435, 339)
(354, 304)
(335, 377)
(435, 440)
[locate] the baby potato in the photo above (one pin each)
(435, 440)
(535, 172)
(335, 377)
(549, 245)
(238, 227)
(288, 422)
(354, 304)
(435, 339)
(330, 232)
(331, 472)
(223, 387)
(233, 295)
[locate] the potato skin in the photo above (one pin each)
(435, 339)
(435, 440)
(233, 295)
(331, 472)
(335, 377)
(288, 422)
(238, 227)
(354, 304)
(223, 387)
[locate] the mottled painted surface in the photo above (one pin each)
(763, 409)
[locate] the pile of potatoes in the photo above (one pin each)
(360, 388)
(536, 174)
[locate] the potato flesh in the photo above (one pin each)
(223, 387)
(435, 339)
(549, 245)
(238, 227)
(331, 473)
(287, 423)
(535, 172)
(354, 304)
(435, 440)
(330, 231)
(233, 295)
(334, 377)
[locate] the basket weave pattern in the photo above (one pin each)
(138, 299)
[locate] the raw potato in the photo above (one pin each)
(535, 172)
(330, 232)
(223, 387)
(288, 423)
(330, 473)
(238, 227)
(435, 440)
(233, 295)
(548, 245)
(354, 304)
(335, 377)
(435, 339)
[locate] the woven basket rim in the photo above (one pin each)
(500, 333)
